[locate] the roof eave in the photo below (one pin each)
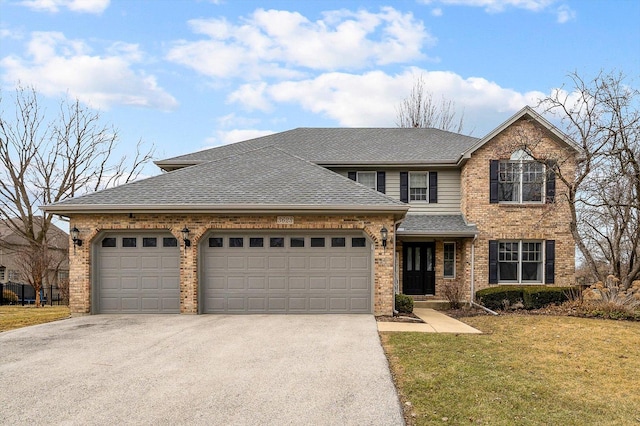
(229, 208)
(458, 234)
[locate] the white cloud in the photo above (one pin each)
(56, 65)
(371, 99)
(495, 6)
(436, 11)
(54, 6)
(224, 137)
(565, 14)
(270, 43)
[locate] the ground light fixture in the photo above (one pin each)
(185, 237)
(77, 242)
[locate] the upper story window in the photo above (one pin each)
(521, 179)
(367, 179)
(418, 186)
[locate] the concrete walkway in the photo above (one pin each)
(434, 322)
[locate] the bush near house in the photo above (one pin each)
(9, 296)
(528, 297)
(404, 304)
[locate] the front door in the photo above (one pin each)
(418, 275)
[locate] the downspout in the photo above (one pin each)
(473, 284)
(473, 269)
(396, 284)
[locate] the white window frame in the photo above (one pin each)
(426, 175)
(375, 179)
(519, 158)
(13, 275)
(444, 260)
(519, 279)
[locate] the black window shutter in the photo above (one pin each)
(433, 187)
(549, 262)
(352, 175)
(381, 182)
(493, 181)
(551, 182)
(493, 262)
(404, 187)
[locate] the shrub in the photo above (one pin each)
(537, 297)
(500, 297)
(454, 293)
(9, 296)
(404, 303)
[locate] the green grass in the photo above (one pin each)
(12, 317)
(526, 370)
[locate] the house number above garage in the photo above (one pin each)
(284, 220)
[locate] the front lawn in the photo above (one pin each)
(12, 317)
(526, 370)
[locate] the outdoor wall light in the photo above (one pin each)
(77, 242)
(384, 234)
(185, 237)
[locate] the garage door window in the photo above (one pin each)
(276, 242)
(338, 242)
(149, 242)
(215, 242)
(317, 242)
(108, 242)
(256, 242)
(297, 242)
(236, 242)
(129, 242)
(358, 242)
(169, 242)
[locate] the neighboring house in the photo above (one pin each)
(291, 222)
(12, 258)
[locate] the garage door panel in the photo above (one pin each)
(256, 262)
(150, 262)
(256, 283)
(150, 283)
(307, 278)
(129, 262)
(143, 278)
(338, 283)
(358, 283)
(297, 283)
(129, 283)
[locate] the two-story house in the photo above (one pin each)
(15, 261)
(326, 220)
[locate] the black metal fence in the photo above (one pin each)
(12, 293)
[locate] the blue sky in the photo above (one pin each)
(187, 75)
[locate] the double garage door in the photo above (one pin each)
(257, 272)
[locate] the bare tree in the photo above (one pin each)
(44, 161)
(421, 110)
(602, 116)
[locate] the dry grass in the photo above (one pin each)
(12, 317)
(526, 370)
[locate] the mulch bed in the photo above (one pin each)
(400, 318)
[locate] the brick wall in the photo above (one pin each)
(91, 225)
(524, 221)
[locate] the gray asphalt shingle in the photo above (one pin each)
(436, 225)
(266, 177)
(350, 146)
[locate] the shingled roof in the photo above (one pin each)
(348, 146)
(440, 225)
(264, 179)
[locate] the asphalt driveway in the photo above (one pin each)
(207, 369)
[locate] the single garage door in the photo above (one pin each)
(138, 273)
(286, 273)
